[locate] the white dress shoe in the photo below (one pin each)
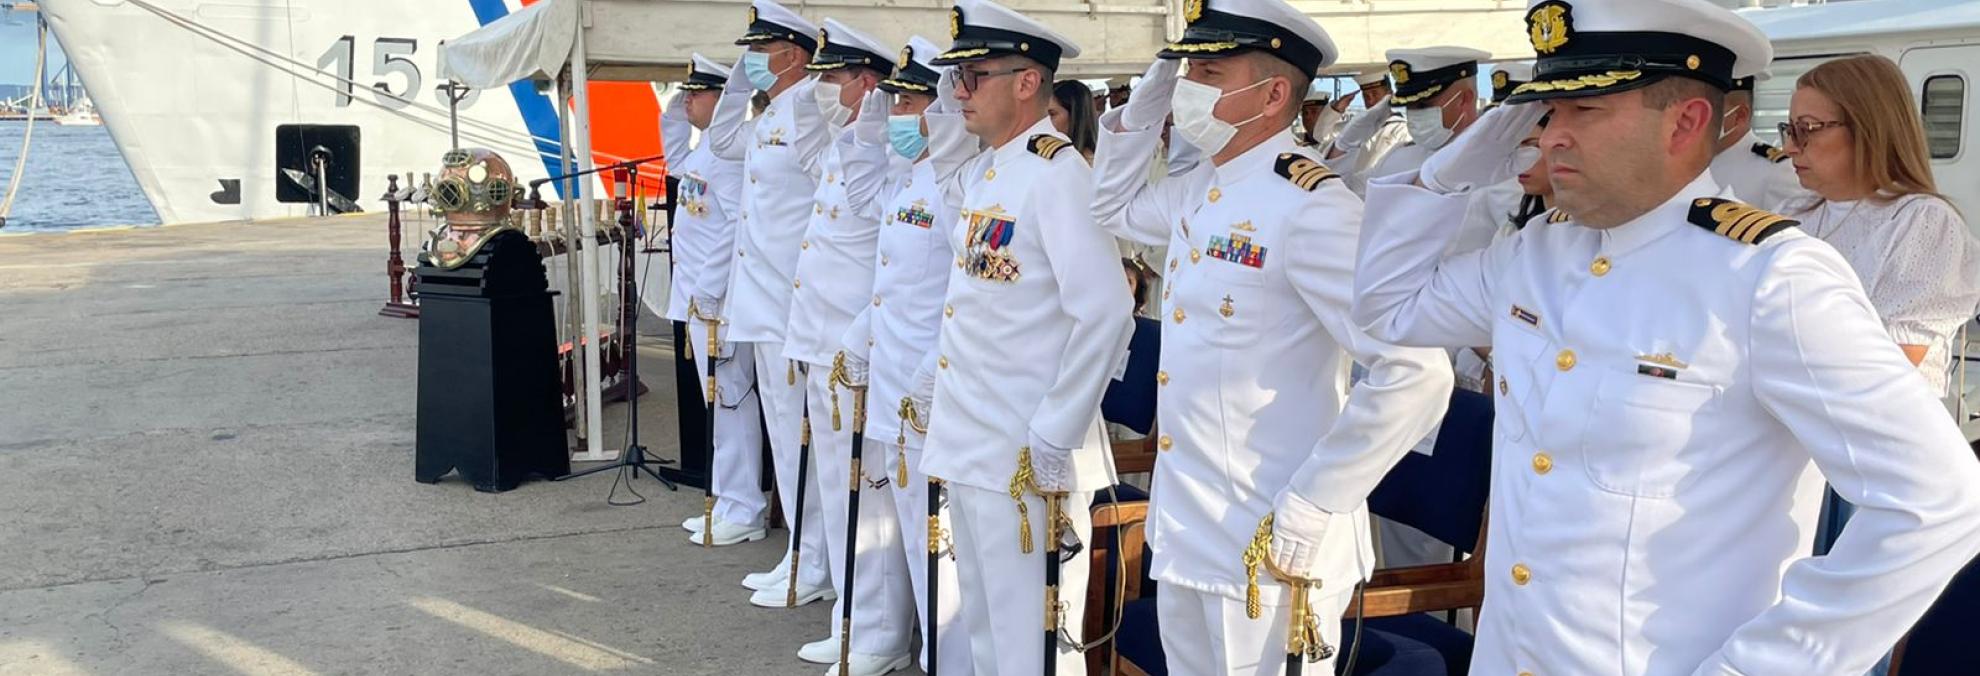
(692, 524)
(869, 665)
(728, 534)
(774, 597)
(821, 651)
(774, 577)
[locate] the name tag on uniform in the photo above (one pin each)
(1237, 249)
(1525, 315)
(776, 138)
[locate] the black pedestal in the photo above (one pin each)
(489, 402)
(691, 410)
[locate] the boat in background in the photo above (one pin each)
(210, 103)
(83, 114)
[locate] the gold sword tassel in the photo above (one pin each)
(1255, 556)
(1021, 480)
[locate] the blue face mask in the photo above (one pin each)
(904, 131)
(756, 66)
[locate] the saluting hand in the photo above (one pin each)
(738, 83)
(945, 93)
(1149, 105)
(1482, 155)
(871, 127)
(1363, 127)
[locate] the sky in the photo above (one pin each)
(17, 49)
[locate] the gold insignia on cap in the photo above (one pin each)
(1548, 25)
(1400, 71)
(955, 22)
(823, 37)
(907, 55)
(752, 14)
(1691, 62)
(1499, 79)
(1192, 10)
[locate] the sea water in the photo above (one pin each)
(74, 179)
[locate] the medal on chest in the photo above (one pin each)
(987, 245)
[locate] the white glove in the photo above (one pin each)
(857, 369)
(871, 127)
(1362, 128)
(676, 108)
(1297, 529)
(738, 83)
(1153, 98)
(1481, 155)
(1051, 466)
(945, 94)
(710, 307)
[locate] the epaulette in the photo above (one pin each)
(1738, 221)
(1303, 171)
(1558, 216)
(1772, 154)
(1047, 145)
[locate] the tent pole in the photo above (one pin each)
(588, 257)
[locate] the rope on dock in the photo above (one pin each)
(34, 101)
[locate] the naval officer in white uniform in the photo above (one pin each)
(1368, 136)
(1040, 323)
(834, 282)
(1437, 88)
(778, 150)
(1758, 173)
(1674, 373)
(896, 334)
(708, 203)
(1255, 409)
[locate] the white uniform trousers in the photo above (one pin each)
(882, 607)
(1206, 634)
(783, 413)
(737, 468)
(911, 503)
(1004, 589)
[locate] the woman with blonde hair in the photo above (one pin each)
(1857, 142)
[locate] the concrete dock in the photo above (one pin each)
(206, 459)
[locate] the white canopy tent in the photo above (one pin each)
(537, 44)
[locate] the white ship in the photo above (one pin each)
(209, 102)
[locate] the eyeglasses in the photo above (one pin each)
(969, 79)
(1798, 132)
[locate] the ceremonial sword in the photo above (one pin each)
(855, 478)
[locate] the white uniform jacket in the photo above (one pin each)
(707, 204)
(834, 278)
(1041, 316)
(1257, 344)
(778, 154)
(1355, 166)
(1661, 392)
(1759, 174)
(897, 333)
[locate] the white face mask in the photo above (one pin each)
(1194, 105)
(1426, 127)
(827, 95)
(1725, 123)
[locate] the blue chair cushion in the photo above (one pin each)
(1130, 401)
(1411, 645)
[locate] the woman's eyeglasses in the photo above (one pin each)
(1798, 132)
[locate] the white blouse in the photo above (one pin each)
(1917, 261)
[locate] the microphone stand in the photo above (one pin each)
(634, 458)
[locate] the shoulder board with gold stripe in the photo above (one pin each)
(1303, 171)
(1047, 145)
(1558, 216)
(1770, 153)
(1738, 221)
